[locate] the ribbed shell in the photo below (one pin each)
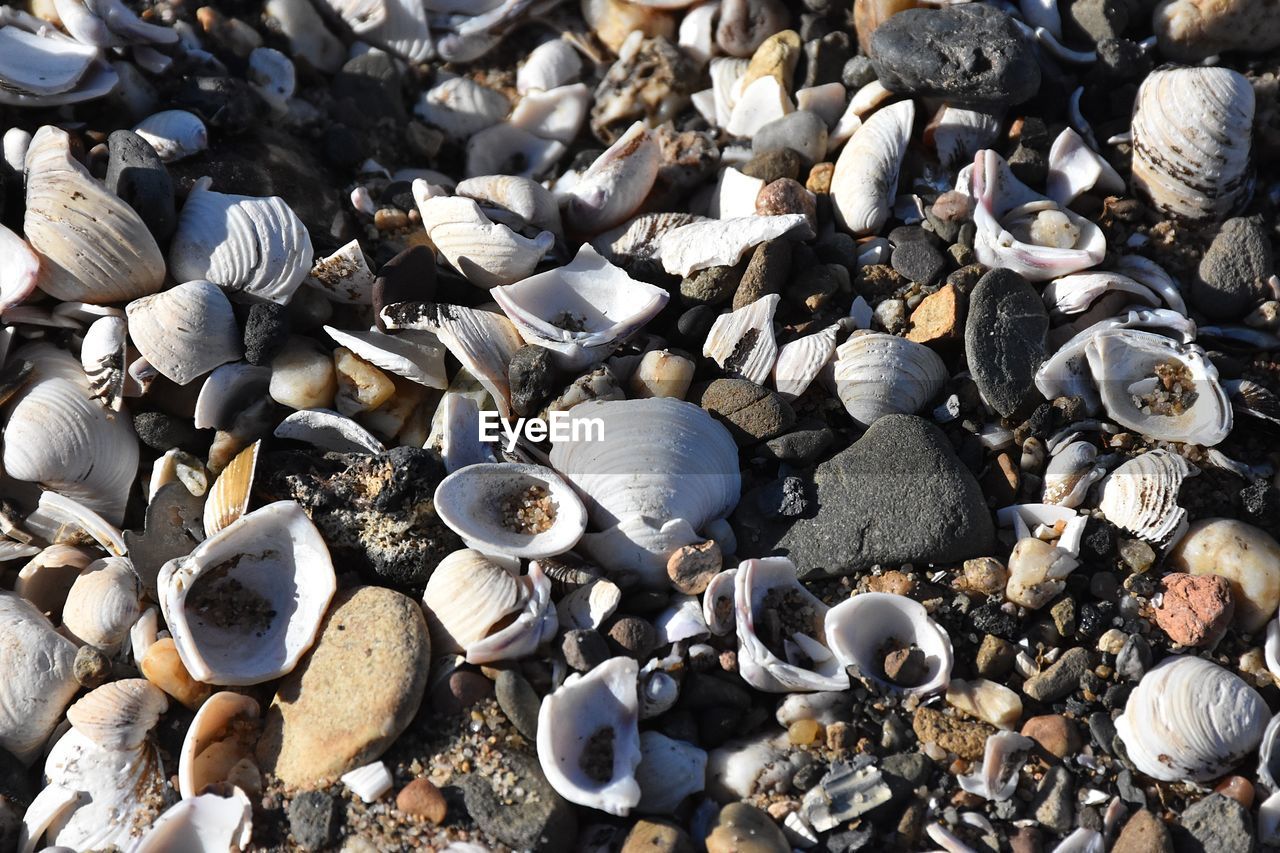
(550, 64)
(102, 355)
(487, 254)
(174, 134)
(530, 200)
(103, 604)
(865, 179)
(1141, 496)
(229, 497)
(20, 272)
(617, 182)
(186, 331)
(38, 682)
(93, 247)
(466, 596)
(1192, 129)
(878, 374)
(118, 715)
(742, 341)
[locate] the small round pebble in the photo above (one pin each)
(652, 836)
(741, 828)
(584, 649)
(633, 636)
(303, 376)
(314, 819)
(533, 378)
(692, 567)
(421, 798)
(518, 700)
(801, 131)
(91, 667)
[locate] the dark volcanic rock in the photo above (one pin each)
(376, 512)
(971, 55)
(136, 174)
(898, 495)
(1005, 340)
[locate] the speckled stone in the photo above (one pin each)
(1005, 340)
(751, 412)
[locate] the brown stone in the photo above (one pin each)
(785, 196)
(939, 318)
(1195, 609)
(1237, 788)
(653, 836)
(869, 14)
(1144, 833)
(966, 738)
(905, 667)
(420, 798)
(986, 575)
(995, 657)
(741, 828)
(1054, 733)
(692, 567)
(819, 180)
(892, 581)
(1026, 839)
(1000, 482)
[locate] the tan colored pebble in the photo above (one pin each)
(1191, 30)
(785, 196)
(819, 180)
(1144, 833)
(1112, 641)
(986, 575)
(776, 57)
(302, 376)
(741, 828)
(939, 318)
(361, 386)
(804, 732)
(692, 567)
(614, 20)
(163, 667)
(390, 219)
(990, 702)
(655, 836)
(966, 738)
(892, 581)
(420, 798)
(662, 373)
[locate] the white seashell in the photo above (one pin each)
(548, 66)
(725, 73)
(103, 604)
(227, 392)
(1019, 229)
(178, 466)
(48, 806)
(865, 179)
(328, 430)
(696, 36)
(47, 578)
(229, 497)
(247, 603)
(487, 254)
(958, 134)
(459, 440)
(482, 503)
(462, 107)
(1247, 556)
(722, 242)
(344, 276)
(528, 199)
(1191, 720)
(1075, 168)
(1071, 472)
(582, 310)
(400, 26)
(208, 823)
(368, 782)
(1141, 496)
(735, 195)
(996, 777)
(636, 241)
(669, 771)
(614, 186)
(219, 743)
(257, 247)
(717, 603)
(1192, 129)
(1075, 293)
(39, 682)
(414, 354)
(555, 114)
(103, 355)
(174, 134)
(589, 605)
(109, 23)
(1134, 372)
(800, 361)
(780, 626)
(760, 764)
(657, 471)
(20, 272)
(186, 331)
(93, 247)
(762, 101)
(272, 76)
(753, 325)
(864, 102)
(877, 374)
(589, 740)
(40, 66)
(1147, 272)
(1037, 571)
(505, 149)
(119, 715)
(60, 520)
(858, 629)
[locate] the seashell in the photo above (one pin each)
(328, 430)
(1192, 129)
(178, 466)
(344, 276)
(478, 605)
(548, 66)
(864, 102)
(681, 620)
(399, 26)
(174, 134)
(589, 740)
(103, 604)
(109, 23)
(1037, 571)
(636, 241)
(49, 805)
(588, 606)
(996, 777)
(144, 633)
(59, 520)
(613, 21)
(39, 681)
(1075, 168)
(859, 628)
(512, 510)
(616, 183)
(696, 36)
(555, 114)
(462, 107)
(1071, 472)
(482, 340)
(246, 604)
(102, 355)
(458, 437)
(186, 331)
(368, 782)
(735, 195)
(1076, 293)
(528, 199)
(1141, 496)
(272, 76)
(21, 271)
(414, 354)
(219, 743)
(865, 181)
(717, 603)
(670, 770)
(746, 767)
(47, 578)
(227, 391)
(1021, 230)
(208, 822)
(505, 149)
(487, 254)
(1191, 720)
(877, 374)
(759, 102)
(1150, 274)
(257, 247)
(742, 341)
(93, 247)
(42, 67)
(723, 242)
(580, 311)
(229, 497)
(1155, 386)
(119, 715)
(627, 470)
(958, 134)
(780, 625)
(1247, 556)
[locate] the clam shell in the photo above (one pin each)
(459, 441)
(174, 134)
(528, 199)
(415, 354)
(1141, 496)
(717, 603)
(636, 241)
(670, 770)
(119, 715)
(93, 247)
(207, 822)
(462, 107)
(487, 254)
(109, 23)
(742, 341)
(229, 497)
(582, 310)
(996, 777)
(1075, 293)
(858, 628)
(865, 181)
(476, 502)
(328, 430)
(556, 114)
(272, 76)
(40, 66)
(613, 186)
(958, 134)
(103, 604)
(722, 242)
(49, 805)
(549, 65)
(344, 276)
(19, 275)
(400, 26)
(257, 247)
(247, 603)
(800, 361)
(583, 764)
(60, 520)
(227, 391)
(39, 681)
(878, 374)
(1191, 720)
(221, 736)
(103, 356)
(47, 578)
(1192, 129)
(186, 331)
(505, 149)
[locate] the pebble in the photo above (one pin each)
(769, 166)
(163, 667)
(410, 276)
(1054, 733)
(362, 387)
(691, 567)
(1195, 609)
(91, 667)
(1061, 678)
(857, 72)
(464, 688)
(1237, 788)
(766, 272)
(533, 378)
(315, 819)
(819, 180)
(867, 16)
(995, 657)
(751, 412)
(540, 820)
(813, 289)
(519, 701)
(710, 286)
(1053, 806)
(160, 432)
(785, 196)
(353, 694)
(1232, 276)
(584, 649)
(802, 131)
(988, 701)
(302, 376)
(1005, 340)
(1143, 833)
(1134, 658)
(741, 828)
(1216, 824)
(137, 175)
(654, 836)
(902, 486)
(920, 261)
(938, 321)
(421, 798)
(1097, 20)
(966, 738)
(633, 636)
(1192, 30)
(825, 58)
(801, 446)
(266, 331)
(972, 56)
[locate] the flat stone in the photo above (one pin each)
(353, 694)
(519, 701)
(1216, 824)
(1143, 833)
(742, 828)
(315, 819)
(898, 495)
(1056, 734)
(920, 261)
(801, 446)
(966, 738)
(751, 412)
(1194, 609)
(1054, 806)
(801, 131)
(1232, 275)
(1097, 20)
(972, 55)
(1005, 340)
(538, 820)
(1061, 678)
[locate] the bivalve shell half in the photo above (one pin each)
(612, 187)
(21, 271)
(548, 66)
(487, 254)
(186, 331)
(878, 374)
(120, 714)
(1141, 496)
(228, 500)
(860, 628)
(528, 199)
(1191, 720)
(415, 354)
(39, 682)
(800, 361)
(690, 247)
(219, 744)
(208, 823)
(103, 604)
(344, 276)
(511, 509)
(247, 603)
(174, 134)
(865, 181)
(42, 67)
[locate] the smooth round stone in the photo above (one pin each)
(802, 131)
(972, 55)
(651, 836)
(136, 174)
(421, 798)
(741, 828)
(771, 165)
(1233, 273)
(785, 196)
(519, 701)
(919, 260)
(303, 376)
(584, 649)
(353, 694)
(710, 286)
(751, 412)
(1005, 340)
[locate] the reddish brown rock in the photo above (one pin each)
(420, 798)
(939, 318)
(1054, 733)
(1195, 609)
(1144, 833)
(785, 196)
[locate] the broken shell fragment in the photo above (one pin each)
(42, 67)
(511, 509)
(21, 271)
(706, 243)
(219, 744)
(328, 430)
(528, 199)
(174, 134)
(612, 187)
(487, 254)
(863, 628)
(1075, 168)
(800, 361)
(1141, 496)
(206, 823)
(344, 276)
(229, 497)
(103, 355)
(415, 354)
(742, 341)
(1070, 473)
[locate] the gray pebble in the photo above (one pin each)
(802, 131)
(136, 174)
(919, 261)
(1005, 339)
(1053, 805)
(1060, 679)
(519, 701)
(534, 379)
(710, 286)
(314, 820)
(1234, 270)
(584, 649)
(1216, 824)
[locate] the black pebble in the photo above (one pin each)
(314, 819)
(408, 277)
(265, 332)
(163, 432)
(1099, 541)
(1029, 165)
(227, 103)
(136, 174)
(990, 619)
(919, 261)
(694, 324)
(1005, 340)
(857, 72)
(534, 379)
(342, 147)
(1232, 274)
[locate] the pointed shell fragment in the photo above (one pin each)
(415, 354)
(42, 67)
(800, 361)
(186, 331)
(612, 187)
(528, 199)
(511, 509)
(865, 181)
(344, 276)
(219, 743)
(328, 430)
(206, 823)
(742, 341)
(723, 242)
(229, 497)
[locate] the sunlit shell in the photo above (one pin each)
(41, 66)
(864, 183)
(344, 276)
(39, 681)
(511, 509)
(119, 715)
(229, 497)
(487, 254)
(612, 187)
(687, 248)
(1141, 496)
(103, 604)
(415, 354)
(21, 272)
(878, 374)
(109, 23)
(186, 331)
(328, 430)
(219, 743)
(174, 134)
(859, 628)
(208, 822)
(102, 355)
(528, 199)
